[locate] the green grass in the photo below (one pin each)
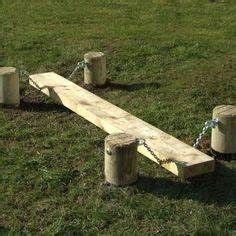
(176, 61)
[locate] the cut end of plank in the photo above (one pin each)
(187, 161)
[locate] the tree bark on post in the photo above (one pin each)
(9, 86)
(95, 69)
(223, 138)
(120, 159)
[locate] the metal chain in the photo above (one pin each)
(208, 124)
(159, 161)
(25, 74)
(80, 65)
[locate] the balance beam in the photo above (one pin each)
(187, 161)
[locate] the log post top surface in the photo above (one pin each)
(225, 110)
(93, 55)
(7, 70)
(120, 139)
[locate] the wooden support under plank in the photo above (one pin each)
(188, 161)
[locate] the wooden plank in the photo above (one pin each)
(112, 119)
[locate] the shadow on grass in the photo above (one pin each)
(41, 106)
(109, 86)
(68, 230)
(133, 86)
(5, 231)
(217, 187)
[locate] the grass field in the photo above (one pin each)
(172, 62)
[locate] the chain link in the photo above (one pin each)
(159, 161)
(25, 74)
(208, 124)
(80, 65)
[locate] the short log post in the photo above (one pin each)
(9, 86)
(120, 159)
(223, 138)
(95, 70)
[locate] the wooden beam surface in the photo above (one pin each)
(187, 161)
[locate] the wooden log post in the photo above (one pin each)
(120, 159)
(223, 138)
(9, 86)
(95, 71)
